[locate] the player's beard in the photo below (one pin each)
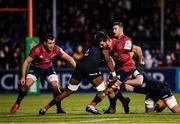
(48, 49)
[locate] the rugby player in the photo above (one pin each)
(41, 57)
(155, 90)
(88, 67)
(120, 48)
(136, 50)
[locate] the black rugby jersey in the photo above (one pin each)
(94, 55)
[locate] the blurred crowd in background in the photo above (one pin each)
(78, 20)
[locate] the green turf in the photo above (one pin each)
(75, 108)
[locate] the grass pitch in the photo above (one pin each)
(75, 107)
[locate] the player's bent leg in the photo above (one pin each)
(100, 86)
(124, 100)
(129, 88)
(72, 87)
(125, 104)
(56, 91)
(22, 93)
(58, 99)
(111, 95)
(53, 80)
(98, 98)
(28, 84)
(172, 104)
(112, 100)
(149, 105)
(176, 109)
(159, 107)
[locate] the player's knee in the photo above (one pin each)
(171, 103)
(29, 82)
(55, 85)
(140, 79)
(73, 87)
(101, 94)
(149, 103)
(30, 77)
(52, 78)
(176, 109)
(56, 90)
(138, 76)
(101, 87)
(25, 87)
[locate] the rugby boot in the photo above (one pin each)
(109, 110)
(125, 104)
(42, 111)
(92, 109)
(61, 111)
(15, 107)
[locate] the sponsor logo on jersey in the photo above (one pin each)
(164, 96)
(47, 60)
(31, 71)
(92, 74)
(128, 45)
(40, 56)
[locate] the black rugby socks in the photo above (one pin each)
(21, 95)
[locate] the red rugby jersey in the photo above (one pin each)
(42, 58)
(120, 53)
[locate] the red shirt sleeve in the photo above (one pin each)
(59, 51)
(34, 53)
(127, 44)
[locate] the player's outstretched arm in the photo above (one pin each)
(109, 62)
(69, 59)
(129, 87)
(24, 67)
(138, 80)
(138, 51)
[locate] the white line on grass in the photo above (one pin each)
(101, 120)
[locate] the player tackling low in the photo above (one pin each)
(154, 90)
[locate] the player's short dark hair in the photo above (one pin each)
(120, 24)
(48, 37)
(100, 36)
